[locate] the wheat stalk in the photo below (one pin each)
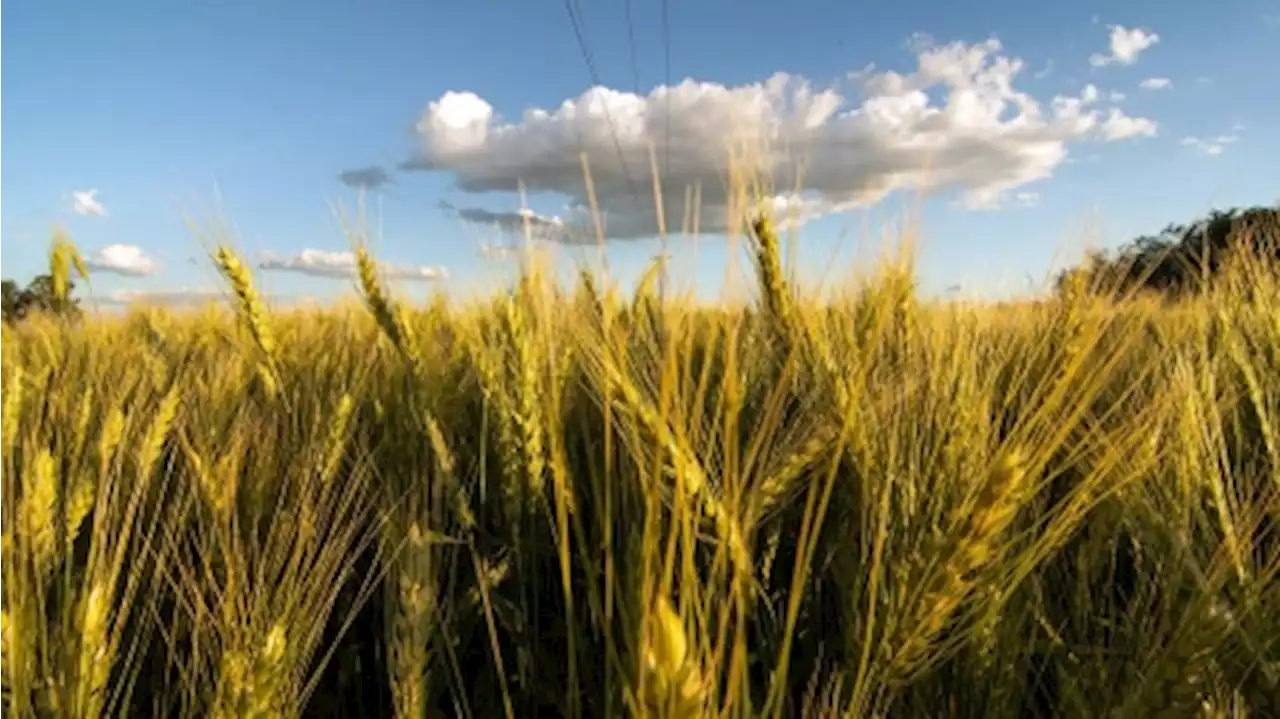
(6, 655)
(252, 313)
(974, 547)
(777, 296)
(527, 414)
(689, 470)
(255, 683)
(673, 682)
(12, 411)
(37, 508)
(94, 668)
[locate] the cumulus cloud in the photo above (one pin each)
(1210, 146)
(128, 260)
(1156, 83)
(1125, 46)
(323, 263)
(365, 178)
(982, 136)
(85, 202)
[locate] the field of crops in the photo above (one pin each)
(566, 502)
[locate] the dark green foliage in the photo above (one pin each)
(38, 296)
(1181, 258)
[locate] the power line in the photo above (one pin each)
(579, 34)
(666, 133)
(631, 44)
(666, 71)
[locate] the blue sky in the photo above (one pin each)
(251, 111)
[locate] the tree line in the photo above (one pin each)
(37, 296)
(1179, 259)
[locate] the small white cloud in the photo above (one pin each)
(176, 296)
(1026, 198)
(1089, 158)
(1119, 126)
(128, 260)
(85, 202)
(1045, 71)
(1115, 96)
(1156, 83)
(919, 42)
(1125, 46)
(1209, 146)
(496, 252)
(323, 263)
(1000, 201)
(525, 223)
(1204, 80)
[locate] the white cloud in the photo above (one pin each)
(984, 137)
(1156, 83)
(1026, 198)
(525, 223)
(176, 296)
(186, 296)
(323, 263)
(85, 202)
(919, 42)
(1125, 46)
(497, 253)
(1119, 126)
(1210, 146)
(1045, 71)
(1090, 94)
(129, 260)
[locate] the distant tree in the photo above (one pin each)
(12, 300)
(1180, 258)
(38, 296)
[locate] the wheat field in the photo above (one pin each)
(563, 501)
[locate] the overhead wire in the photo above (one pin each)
(666, 119)
(579, 33)
(631, 45)
(666, 72)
